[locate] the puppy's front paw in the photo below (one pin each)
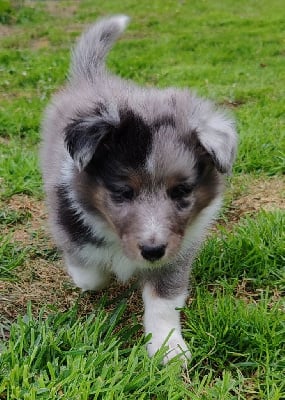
(175, 345)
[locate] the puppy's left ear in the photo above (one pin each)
(84, 134)
(218, 136)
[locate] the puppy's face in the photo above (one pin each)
(149, 214)
(148, 182)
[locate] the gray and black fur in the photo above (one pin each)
(133, 176)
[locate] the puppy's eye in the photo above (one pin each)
(123, 194)
(179, 192)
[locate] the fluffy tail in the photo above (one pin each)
(89, 53)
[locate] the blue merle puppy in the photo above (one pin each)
(133, 178)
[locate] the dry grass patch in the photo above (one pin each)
(8, 30)
(36, 212)
(58, 9)
(40, 43)
(42, 283)
(249, 195)
(46, 284)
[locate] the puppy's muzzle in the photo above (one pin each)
(152, 253)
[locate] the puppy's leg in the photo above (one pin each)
(86, 276)
(162, 319)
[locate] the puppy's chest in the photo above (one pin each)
(110, 258)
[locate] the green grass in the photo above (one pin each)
(11, 256)
(242, 339)
(253, 250)
(67, 357)
(232, 52)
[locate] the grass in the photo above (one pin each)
(63, 356)
(11, 255)
(254, 249)
(62, 345)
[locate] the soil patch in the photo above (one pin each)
(40, 43)
(256, 195)
(8, 30)
(59, 10)
(36, 216)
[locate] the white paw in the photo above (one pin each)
(175, 346)
(88, 277)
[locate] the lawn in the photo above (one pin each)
(56, 343)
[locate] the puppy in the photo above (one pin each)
(133, 178)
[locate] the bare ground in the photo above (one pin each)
(7, 30)
(256, 195)
(43, 281)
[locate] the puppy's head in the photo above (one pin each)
(149, 178)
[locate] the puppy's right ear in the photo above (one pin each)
(84, 134)
(217, 135)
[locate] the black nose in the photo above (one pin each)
(153, 253)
